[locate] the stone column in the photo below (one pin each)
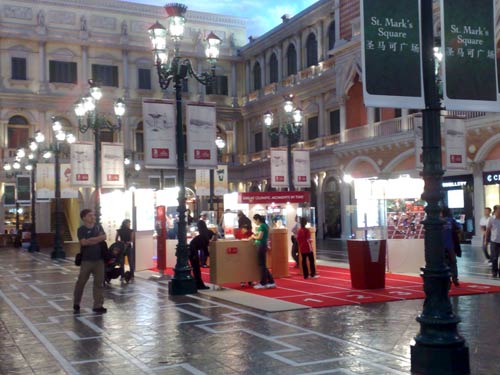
(85, 68)
(279, 56)
(343, 118)
(479, 201)
(404, 119)
(234, 92)
(247, 77)
(322, 123)
(126, 74)
(370, 116)
(42, 66)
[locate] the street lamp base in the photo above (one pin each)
(58, 254)
(432, 360)
(180, 287)
(34, 247)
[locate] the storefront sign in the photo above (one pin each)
(491, 178)
(470, 68)
(45, 181)
(301, 168)
(201, 133)
(279, 168)
(274, 197)
(391, 53)
(9, 195)
(160, 149)
(23, 184)
(82, 164)
(112, 166)
(456, 154)
(67, 191)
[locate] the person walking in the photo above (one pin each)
(126, 236)
(305, 248)
(450, 239)
(493, 232)
(90, 236)
(260, 237)
(483, 223)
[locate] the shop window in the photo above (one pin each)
(258, 141)
(312, 128)
(397, 113)
(62, 72)
(275, 138)
(331, 36)
(257, 74)
(335, 122)
(18, 66)
(106, 75)
(273, 69)
(218, 86)
(17, 132)
(312, 50)
(144, 78)
(291, 60)
(168, 182)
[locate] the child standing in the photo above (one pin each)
(305, 248)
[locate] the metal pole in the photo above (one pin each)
(58, 249)
(182, 283)
(17, 240)
(97, 163)
(162, 179)
(438, 348)
(289, 137)
(211, 198)
(33, 242)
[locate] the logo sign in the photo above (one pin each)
(274, 197)
(232, 250)
(201, 154)
(82, 177)
(160, 153)
(391, 53)
(302, 178)
(491, 178)
(113, 177)
(468, 44)
(455, 159)
(279, 178)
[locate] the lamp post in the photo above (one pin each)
(438, 348)
(290, 129)
(220, 143)
(60, 136)
(89, 118)
(175, 69)
(348, 180)
(13, 170)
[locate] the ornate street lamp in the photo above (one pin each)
(89, 118)
(291, 129)
(171, 67)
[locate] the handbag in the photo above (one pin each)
(78, 259)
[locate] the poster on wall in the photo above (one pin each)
(160, 151)
(45, 181)
(470, 60)
(391, 54)
(9, 195)
(23, 186)
(456, 154)
(67, 191)
(201, 134)
(220, 180)
(112, 166)
(203, 182)
(82, 164)
(301, 168)
(279, 168)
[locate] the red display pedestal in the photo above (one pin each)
(367, 263)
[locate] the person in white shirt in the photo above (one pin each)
(493, 232)
(483, 223)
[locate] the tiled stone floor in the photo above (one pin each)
(146, 331)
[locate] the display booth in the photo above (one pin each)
(391, 210)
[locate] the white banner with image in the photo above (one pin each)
(160, 149)
(112, 166)
(45, 181)
(201, 134)
(456, 154)
(301, 168)
(203, 182)
(279, 168)
(220, 180)
(67, 191)
(82, 164)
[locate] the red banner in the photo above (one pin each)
(275, 197)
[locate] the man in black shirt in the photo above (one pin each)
(244, 221)
(90, 236)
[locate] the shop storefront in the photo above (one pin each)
(491, 182)
(459, 197)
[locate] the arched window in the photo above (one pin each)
(273, 69)
(17, 132)
(257, 83)
(291, 60)
(312, 50)
(331, 36)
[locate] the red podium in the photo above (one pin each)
(367, 263)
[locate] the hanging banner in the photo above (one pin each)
(9, 195)
(456, 154)
(112, 166)
(67, 191)
(23, 187)
(301, 168)
(470, 60)
(419, 143)
(203, 182)
(221, 180)
(279, 168)
(45, 181)
(82, 164)
(201, 134)
(160, 151)
(391, 54)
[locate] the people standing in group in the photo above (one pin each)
(126, 236)
(295, 245)
(261, 235)
(451, 243)
(306, 250)
(90, 235)
(483, 223)
(493, 233)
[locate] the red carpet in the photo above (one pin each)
(333, 288)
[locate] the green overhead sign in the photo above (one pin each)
(391, 49)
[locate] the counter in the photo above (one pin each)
(233, 261)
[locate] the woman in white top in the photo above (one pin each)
(483, 223)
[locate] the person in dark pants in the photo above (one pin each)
(197, 243)
(295, 244)
(493, 232)
(208, 234)
(483, 223)
(304, 241)
(449, 242)
(260, 237)
(126, 236)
